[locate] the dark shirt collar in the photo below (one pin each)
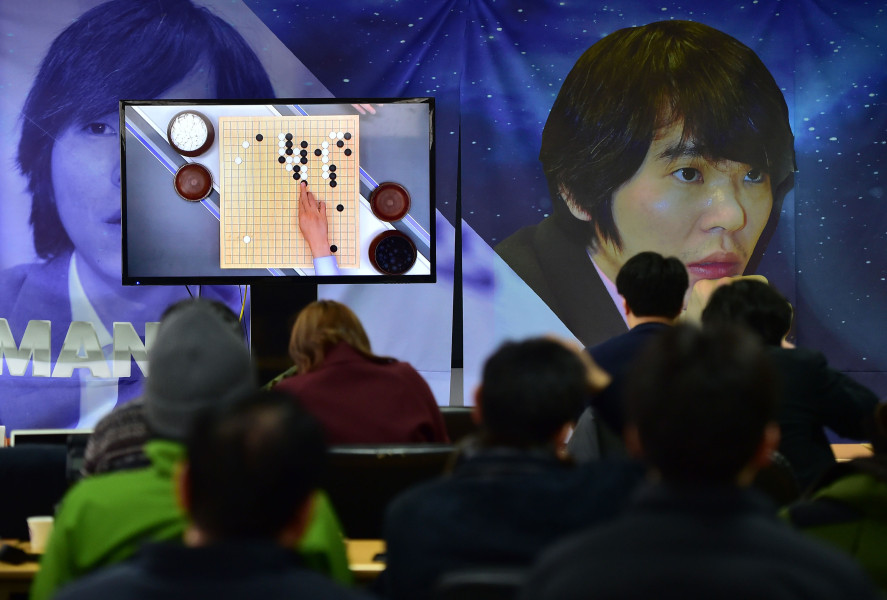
(479, 460)
(712, 500)
(174, 559)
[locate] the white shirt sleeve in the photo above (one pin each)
(326, 265)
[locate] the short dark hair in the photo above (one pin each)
(652, 285)
(530, 389)
(752, 304)
(122, 49)
(638, 80)
(252, 465)
(700, 401)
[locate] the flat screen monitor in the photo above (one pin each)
(211, 190)
(22, 437)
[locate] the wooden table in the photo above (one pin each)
(15, 580)
(845, 452)
(364, 558)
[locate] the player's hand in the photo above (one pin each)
(702, 291)
(364, 109)
(313, 223)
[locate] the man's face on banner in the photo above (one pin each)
(86, 180)
(709, 214)
(86, 185)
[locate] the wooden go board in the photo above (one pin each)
(262, 162)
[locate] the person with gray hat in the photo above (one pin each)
(118, 440)
(247, 484)
(196, 362)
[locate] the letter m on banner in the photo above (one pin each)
(35, 345)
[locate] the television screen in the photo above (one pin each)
(214, 191)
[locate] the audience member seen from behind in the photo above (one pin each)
(652, 289)
(513, 491)
(815, 396)
(196, 362)
(845, 506)
(247, 488)
(118, 440)
(69, 151)
(357, 396)
(701, 409)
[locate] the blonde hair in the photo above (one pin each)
(320, 326)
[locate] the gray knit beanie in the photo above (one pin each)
(195, 361)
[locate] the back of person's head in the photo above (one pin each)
(752, 304)
(653, 285)
(636, 81)
(320, 326)
(218, 307)
(530, 389)
(197, 360)
(252, 465)
(700, 401)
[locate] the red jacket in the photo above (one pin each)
(359, 401)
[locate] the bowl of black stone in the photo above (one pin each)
(193, 182)
(390, 201)
(392, 252)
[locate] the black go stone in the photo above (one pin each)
(259, 137)
(340, 208)
(281, 160)
(333, 183)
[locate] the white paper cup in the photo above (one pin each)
(39, 529)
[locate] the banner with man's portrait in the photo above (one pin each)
(554, 131)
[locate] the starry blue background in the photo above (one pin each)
(496, 66)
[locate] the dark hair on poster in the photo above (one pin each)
(118, 50)
(638, 80)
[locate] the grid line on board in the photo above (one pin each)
(262, 162)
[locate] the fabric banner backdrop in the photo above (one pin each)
(73, 339)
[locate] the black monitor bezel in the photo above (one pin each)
(430, 277)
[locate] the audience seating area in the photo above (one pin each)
(493, 583)
(459, 422)
(363, 479)
(34, 479)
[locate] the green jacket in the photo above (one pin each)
(105, 518)
(848, 509)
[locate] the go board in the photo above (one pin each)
(263, 160)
